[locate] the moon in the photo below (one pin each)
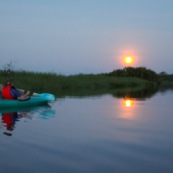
(128, 60)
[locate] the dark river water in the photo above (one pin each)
(101, 134)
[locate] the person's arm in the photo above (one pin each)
(15, 93)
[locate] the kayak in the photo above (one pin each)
(36, 100)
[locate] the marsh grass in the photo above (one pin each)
(81, 84)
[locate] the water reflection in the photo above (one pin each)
(128, 108)
(140, 94)
(9, 118)
(128, 102)
(93, 135)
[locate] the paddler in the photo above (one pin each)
(9, 92)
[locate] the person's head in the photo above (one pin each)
(8, 82)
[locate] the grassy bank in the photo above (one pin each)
(81, 84)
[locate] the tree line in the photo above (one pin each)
(140, 72)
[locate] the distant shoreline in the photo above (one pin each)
(89, 84)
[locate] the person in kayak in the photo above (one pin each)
(9, 92)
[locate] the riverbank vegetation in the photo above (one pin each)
(126, 80)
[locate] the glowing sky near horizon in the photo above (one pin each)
(71, 37)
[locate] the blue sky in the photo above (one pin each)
(86, 36)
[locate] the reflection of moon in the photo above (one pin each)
(128, 109)
(128, 103)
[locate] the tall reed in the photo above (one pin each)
(69, 85)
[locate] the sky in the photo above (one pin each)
(86, 36)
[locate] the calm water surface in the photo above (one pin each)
(90, 135)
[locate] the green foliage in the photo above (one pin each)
(126, 79)
(165, 81)
(61, 85)
(140, 72)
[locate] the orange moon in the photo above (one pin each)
(128, 60)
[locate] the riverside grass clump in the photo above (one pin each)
(81, 84)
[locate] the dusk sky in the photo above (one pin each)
(86, 36)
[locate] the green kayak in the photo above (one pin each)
(37, 100)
